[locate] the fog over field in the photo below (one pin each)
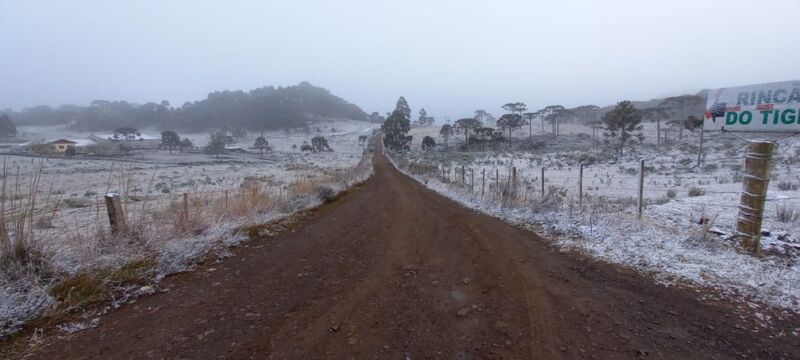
(343, 179)
(449, 56)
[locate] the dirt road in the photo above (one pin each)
(394, 271)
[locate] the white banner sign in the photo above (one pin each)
(769, 107)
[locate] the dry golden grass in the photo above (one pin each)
(91, 265)
(302, 186)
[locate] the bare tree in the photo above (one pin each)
(530, 116)
(552, 114)
(656, 113)
(682, 102)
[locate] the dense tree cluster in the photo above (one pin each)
(216, 143)
(7, 128)
(376, 118)
(126, 133)
(319, 144)
(265, 108)
(170, 140)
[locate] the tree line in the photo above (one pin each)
(621, 125)
(265, 108)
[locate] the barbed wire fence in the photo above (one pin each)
(598, 188)
(136, 202)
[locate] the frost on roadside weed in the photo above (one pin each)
(21, 301)
(176, 254)
(673, 252)
(170, 242)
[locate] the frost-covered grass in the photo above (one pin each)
(684, 234)
(77, 261)
(675, 187)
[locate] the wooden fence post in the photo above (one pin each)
(542, 181)
(580, 186)
(658, 129)
(185, 206)
(514, 178)
(471, 180)
(497, 179)
(700, 151)
(754, 194)
(226, 201)
(641, 187)
(116, 217)
(483, 181)
(463, 175)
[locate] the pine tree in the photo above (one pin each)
(428, 143)
(186, 143)
(395, 129)
(510, 122)
(261, 144)
(216, 144)
(623, 125)
(170, 140)
(467, 125)
(402, 105)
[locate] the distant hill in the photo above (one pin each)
(695, 106)
(266, 108)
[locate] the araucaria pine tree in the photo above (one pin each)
(623, 125)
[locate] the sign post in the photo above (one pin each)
(754, 194)
(763, 108)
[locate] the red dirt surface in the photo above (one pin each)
(394, 271)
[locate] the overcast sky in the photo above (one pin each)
(449, 56)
